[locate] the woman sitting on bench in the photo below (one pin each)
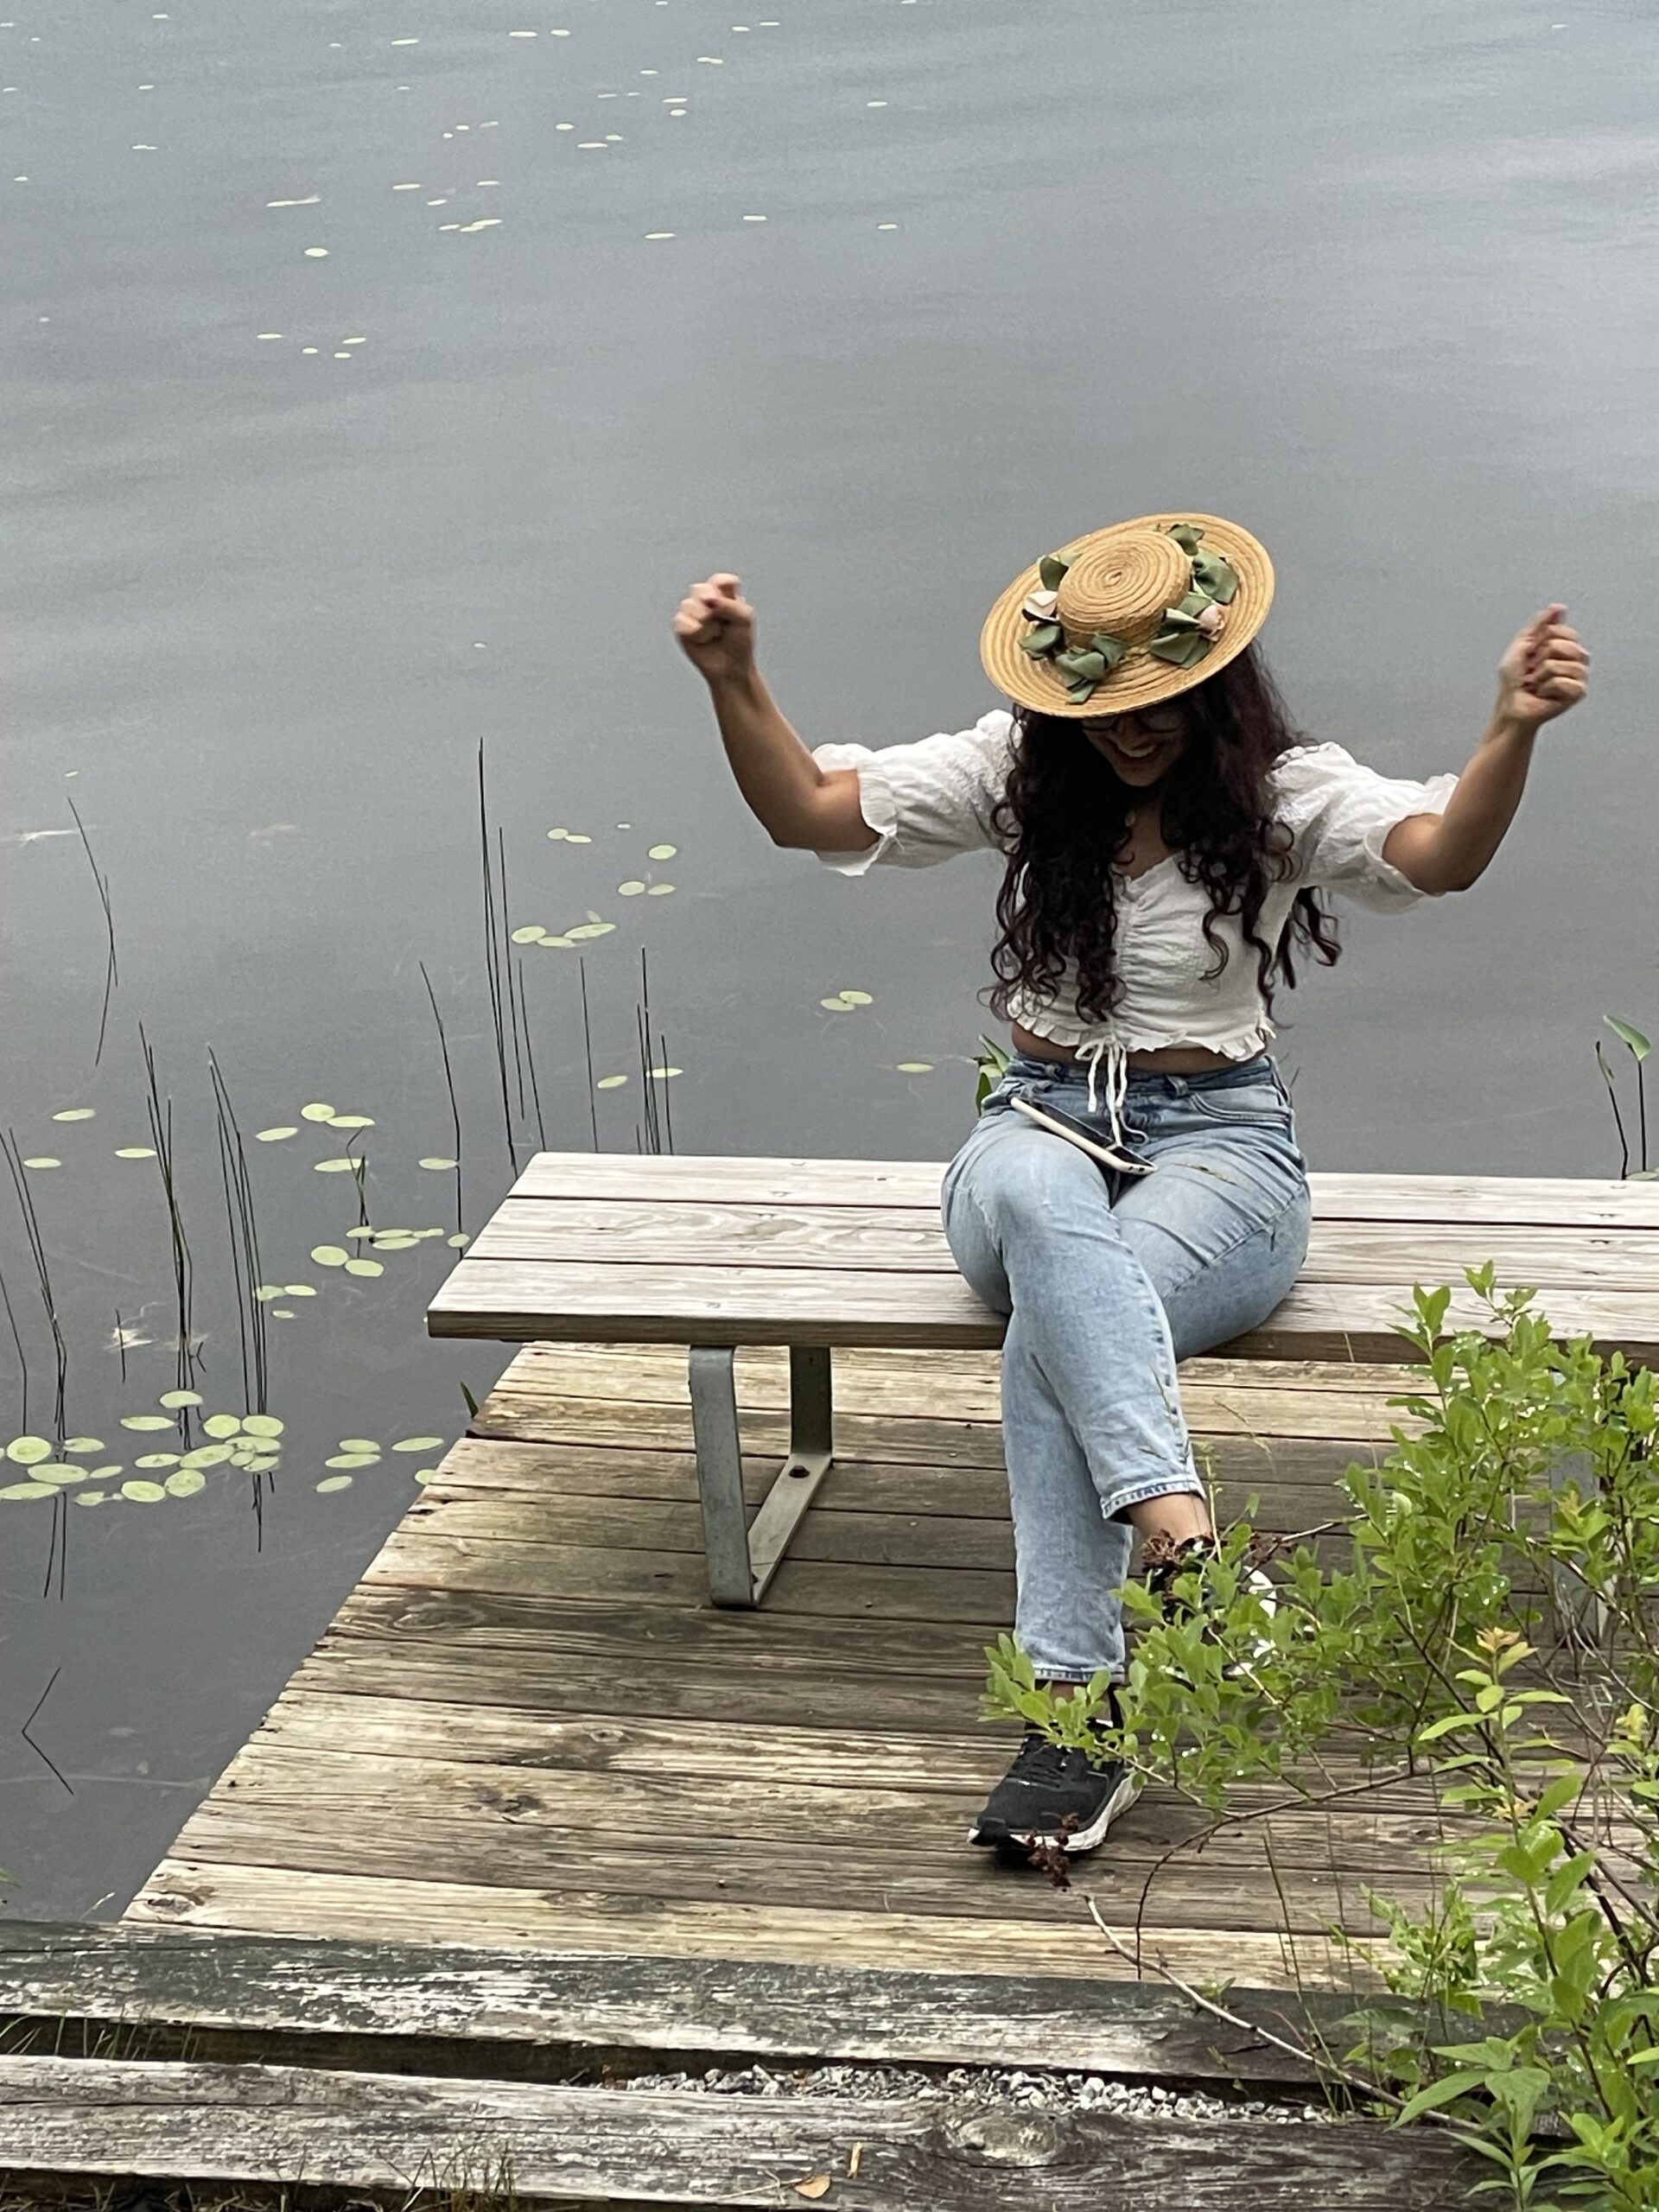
(1133, 1194)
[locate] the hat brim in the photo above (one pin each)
(1141, 679)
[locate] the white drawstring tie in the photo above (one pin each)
(1117, 1081)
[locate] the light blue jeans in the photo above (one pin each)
(1108, 1281)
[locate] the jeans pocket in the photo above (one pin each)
(1254, 1105)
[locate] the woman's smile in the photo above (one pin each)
(1139, 747)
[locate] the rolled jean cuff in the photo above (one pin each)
(1073, 1678)
(1187, 1484)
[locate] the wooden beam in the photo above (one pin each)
(278, 2124)
(390, 1992)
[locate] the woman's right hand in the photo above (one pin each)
(715, 628)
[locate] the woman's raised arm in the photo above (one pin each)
(1544, 672)
(796, 802)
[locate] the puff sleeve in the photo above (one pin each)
(928, 801)
(1339, 814)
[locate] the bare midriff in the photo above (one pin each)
(1168, 1059)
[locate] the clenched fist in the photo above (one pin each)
(715, 628)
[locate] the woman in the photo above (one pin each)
(1168, 839)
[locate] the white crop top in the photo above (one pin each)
(928, 801)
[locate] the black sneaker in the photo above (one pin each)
(1054, 1799)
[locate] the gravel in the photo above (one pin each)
(967, 2085)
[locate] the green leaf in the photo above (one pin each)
(1443, 2092)
(185, 1482)
(365, 1267)
(1639, 1044)
(262, 1425)
(29, 1451)
(143, 1493)
(1052, 569)
(177, 1398)
(262, 1136)
(145, 1421)
(334, 1482)
(317, 1112)
(329, 1256)
(435, 1162)
(1041, 639)
(221, 1426)
(419, 1444)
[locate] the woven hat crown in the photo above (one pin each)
(1123, 587)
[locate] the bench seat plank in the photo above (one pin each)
(688, 1233)
(1557, 1201)
(529, 1301)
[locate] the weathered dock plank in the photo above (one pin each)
(272, 2124)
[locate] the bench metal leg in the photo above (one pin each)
(742, 1560)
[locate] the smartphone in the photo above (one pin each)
(1098, 1149)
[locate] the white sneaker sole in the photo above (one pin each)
(1083, 1839)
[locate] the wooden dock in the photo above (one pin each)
(537, 1834)
(527, 1727)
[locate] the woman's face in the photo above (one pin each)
(1142, 748)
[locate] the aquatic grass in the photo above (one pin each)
(111, 972)
(1639, 1048)
(588, 1050)
(494, 926)
(450, 1085)
(160, 1129)
(36, 1242)
(529, 1054)
(17, 1340)
(245, 1271)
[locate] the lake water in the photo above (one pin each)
(378, 377)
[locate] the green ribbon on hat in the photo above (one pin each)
(1181, 641)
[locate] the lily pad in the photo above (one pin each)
(397, 1240)
(57, 1471)
(317, 1112)
(531, 934)
(342, 1167)
(185, 1482)
(140, 1151)
(662, 852)
(156, 1459)
(662, 890)
(83, 1446)
(610, 1082)
(220, 1427)
(915, 1067)
(352, 1122)
(329, 1256)
(276, 1136)
(91, 1496)
(631, 890)
(435, 1162)
(180, 1398)
(145, 1421)
(299, 1290)
(359, 1444)
(459, 1242)
(353, 1459)
(29, 1489)
(76, 1113)
(143, 1493)
(335, 1482)
(29, 1451)
(43, 1160)
(666, 1075)
(858, 998)
(207, 1455)
(263, 1425)
(365, 1267)
(419, 1444)
(426, 1474)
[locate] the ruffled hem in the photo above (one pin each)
(877, 803)
(1240, 1043)
(1437, 792)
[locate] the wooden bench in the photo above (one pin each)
(817, 1254)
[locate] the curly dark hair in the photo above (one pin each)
(1064, 817)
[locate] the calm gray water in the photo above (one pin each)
(947, 282)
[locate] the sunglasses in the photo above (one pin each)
(1160, 722)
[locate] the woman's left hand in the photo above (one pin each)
(1544, 672)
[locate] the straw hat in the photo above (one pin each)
(1128, 615)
